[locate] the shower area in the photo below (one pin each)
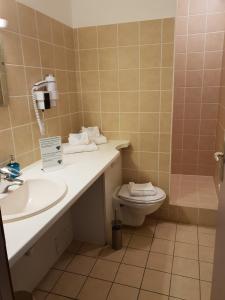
(198, 104)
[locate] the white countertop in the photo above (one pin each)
(79, 172)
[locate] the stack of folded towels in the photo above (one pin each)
(143, 189)
(85, 141)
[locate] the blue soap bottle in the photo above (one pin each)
(14, 166)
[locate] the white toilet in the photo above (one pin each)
(133, 210)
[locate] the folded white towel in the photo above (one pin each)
(143, 189)
(100, 140)
(93, 132)
(76, 139)
(70, 149)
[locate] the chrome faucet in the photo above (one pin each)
(8, 178)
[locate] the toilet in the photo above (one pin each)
(133, 210)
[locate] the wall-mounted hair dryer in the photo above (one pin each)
(44, 95)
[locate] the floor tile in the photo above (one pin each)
(187, 227)
(184, 288)
(164, 232)
(146, 230)
(126, 238)
(186, 267)
(81, 265)
(95, 289)
(49, 280)
(206, 240)
(162, 246)
(206, 271)
(163, 224)
(145, 295)
(74, 246)
(104, 269)
(140, 242)
(160, 262)
(186, 250)
(205, 290)
(55, 297)
(122, 292)
(90, 250)
(69, 285)
(206, 254)
(114, 255)
(156, 281)
(130, 275)
(39, 295)
(186, 236)
(135, 257)
(207, 230)
(64, 260)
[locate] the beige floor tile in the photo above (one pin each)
(126, 238)
(206, 271)
(55, 297)
(114, 255)
(140, 242)
(122, 292)
(162, 246)
(160, 262)
(145, 295)
(81, 265)
(187, 227)
(172, 298)
(184, 288)
(64, 260)
(39, 295)
(164, 224)
(49, 280)
(186, 267)
(186, 236)
(90, 250)
(207, 230)
(205, 290)
(206, 254)
(95, 289)
(207, 240)
(166, 233)
(135, 257)
(104, 269)
(69, 285)
(129, 275)
(146, 230)
(186, 250)
(156, 281)
(74, 246)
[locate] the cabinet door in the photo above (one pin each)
(6, 290)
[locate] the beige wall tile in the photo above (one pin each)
(47, 59)
(129, 79)
(57, 33)
(19, 110)
(107, 36)
(109, 101)
(68, 37)
(87, 37)
(110, 121)
(9, 12)
(88, 60)
(44, 27)
(129, 101)
(149, 101)
(150, 32)
(167, 55)
(149, 142)
(31, 52)
(128, 34)
(12, 48)
(23, 139)
(89, 81)
(150, 56)
(150, 79)
(149, 122)
(6, 145)
(4, 117)
(127, 121)
(149, 161)
(109, 80)
(128, 57)
(108, 59)
(167, 79)
(27, 20)
(59, 57)
(16, 80)
(168, 30)
(91, 101)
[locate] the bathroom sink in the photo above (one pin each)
(33, 197)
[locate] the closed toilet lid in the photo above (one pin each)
(125, 195)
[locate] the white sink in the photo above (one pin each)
(33, 197)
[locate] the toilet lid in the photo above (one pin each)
(125, 195)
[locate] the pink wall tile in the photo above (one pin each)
(179, 79)
(182, 7)
(191, 126)
(208, 127)
(207, 142)
(211, 94)
(179, 94)
(190, 142)
(193, 94)
(213, 60)
(196, 24)
(195, 43)
(177, 141)
(212, 77)
(180, 44)
(181, 26)
(178, 110)
(190, 157)
(192, 111)
(215, 22)
(177, 126)
(195, 61)
(194, 78)
(215, 6)
(180, 62)
(197, 7)
(214, 41)
(209, 111)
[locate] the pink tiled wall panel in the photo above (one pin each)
(199, 39)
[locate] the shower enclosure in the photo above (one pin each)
(199, 43)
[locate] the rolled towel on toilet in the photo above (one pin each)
(70, 149)
(76, 139)
(143, 189)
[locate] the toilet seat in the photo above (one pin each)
(124, 195)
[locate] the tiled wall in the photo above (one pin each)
(126, 80)
(35, 45)
(198, 61)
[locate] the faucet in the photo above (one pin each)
(8, 179)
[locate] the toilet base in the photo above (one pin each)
(130, 218)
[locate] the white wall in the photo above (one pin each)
(60, 10)
(102, 12)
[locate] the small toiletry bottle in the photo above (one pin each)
(14, 165)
